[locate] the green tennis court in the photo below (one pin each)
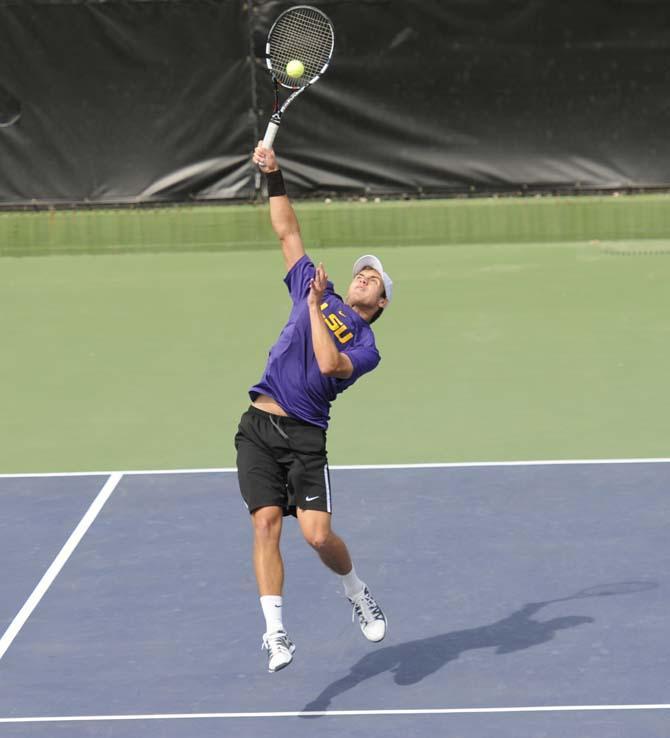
(521, 328)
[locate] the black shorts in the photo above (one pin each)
(282, 462)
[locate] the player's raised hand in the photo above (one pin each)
(317, 286)
(265, 159)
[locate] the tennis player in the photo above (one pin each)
(325, 346)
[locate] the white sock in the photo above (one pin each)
(352, 584)
(272, 605)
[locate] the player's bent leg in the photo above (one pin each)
(315, 527)
(332, 550)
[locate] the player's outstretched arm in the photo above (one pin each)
(283, 218)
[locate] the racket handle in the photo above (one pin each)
(270, 134)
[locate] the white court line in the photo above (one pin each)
(430, 465)
(137, 472)
(331, 713)
(476, 464)
(58, 563)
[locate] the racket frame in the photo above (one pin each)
(277, 110)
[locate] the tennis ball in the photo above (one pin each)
(295, 68)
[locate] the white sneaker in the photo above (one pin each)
(370, 616)
(280, 650)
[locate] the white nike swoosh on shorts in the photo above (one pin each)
(310, 499)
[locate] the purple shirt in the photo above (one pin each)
(292, 376)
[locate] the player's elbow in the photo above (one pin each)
(338, 369)
(328, 367)
(287, 227)
(289, 237)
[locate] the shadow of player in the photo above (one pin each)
(413, 661)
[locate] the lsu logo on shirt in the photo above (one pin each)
(337, 327)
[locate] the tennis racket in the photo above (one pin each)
(300, 34)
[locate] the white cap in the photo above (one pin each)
(372, 261)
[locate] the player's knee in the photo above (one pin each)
(317, 539)
(267, 524)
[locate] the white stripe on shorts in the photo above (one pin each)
(326, 477)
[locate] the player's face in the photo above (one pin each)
(367, 288)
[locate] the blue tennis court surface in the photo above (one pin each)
(523, 600)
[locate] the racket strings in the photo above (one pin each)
(305, 35)
(313, 51)
(309, 28)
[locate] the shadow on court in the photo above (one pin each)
(415, 660)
